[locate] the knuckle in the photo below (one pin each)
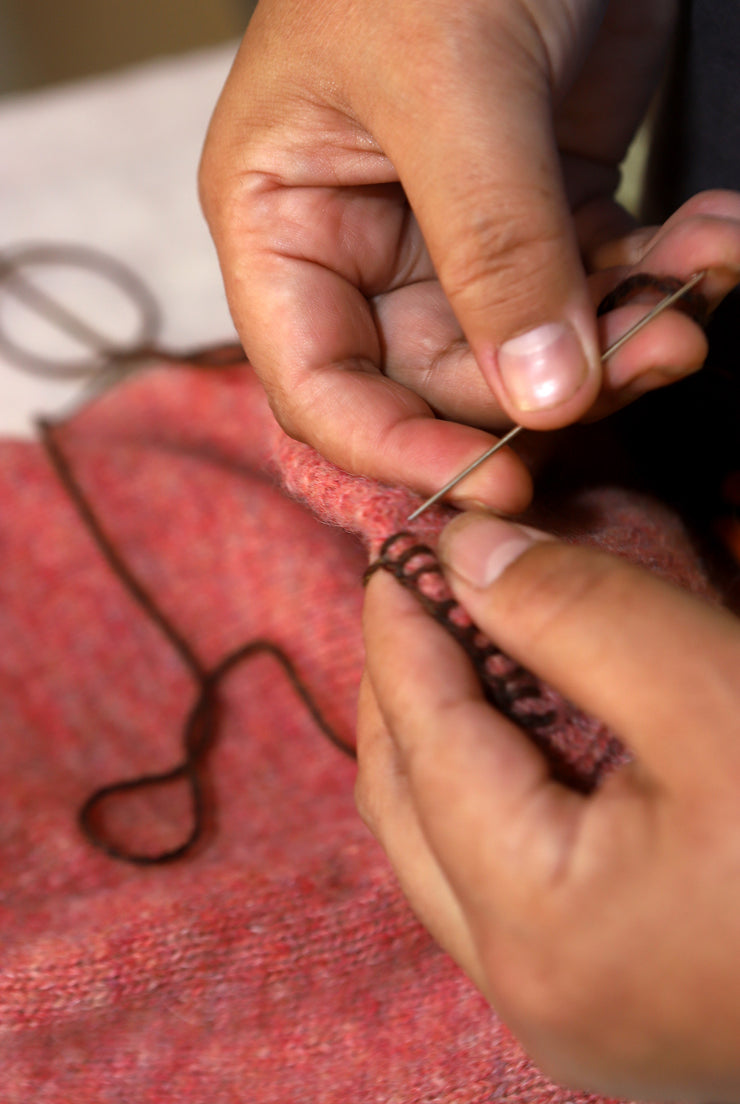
(556, 584)
(222, 154)
(218, 189)
(290, 413)
(496, 255)
(231, 177)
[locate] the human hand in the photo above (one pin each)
(397, 190)
(603, 928)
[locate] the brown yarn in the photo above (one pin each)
(692, 302)
(201, 725)
(413, 564)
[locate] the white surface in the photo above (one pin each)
(111, 163)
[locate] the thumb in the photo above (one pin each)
(485, 183)
(646, 658)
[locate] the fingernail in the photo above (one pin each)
(542, 368)
(479, 547)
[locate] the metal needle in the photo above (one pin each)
(664, 304)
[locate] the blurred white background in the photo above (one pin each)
(104, 106)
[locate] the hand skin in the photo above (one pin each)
(605, 929)
(397, 189)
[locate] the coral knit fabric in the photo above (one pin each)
(278, 962)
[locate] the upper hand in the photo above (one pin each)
(398, 189)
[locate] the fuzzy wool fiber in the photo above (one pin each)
(278, 963)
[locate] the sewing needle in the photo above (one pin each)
(664, 304)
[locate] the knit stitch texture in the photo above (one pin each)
(277, 963)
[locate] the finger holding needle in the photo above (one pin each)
(664, 304)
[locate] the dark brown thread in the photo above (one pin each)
(692, 303)
(504, 691)
(513, 692)
(200, 727)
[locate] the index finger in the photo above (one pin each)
(495, 820)
(301, 306)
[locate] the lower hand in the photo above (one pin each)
(604, 929)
